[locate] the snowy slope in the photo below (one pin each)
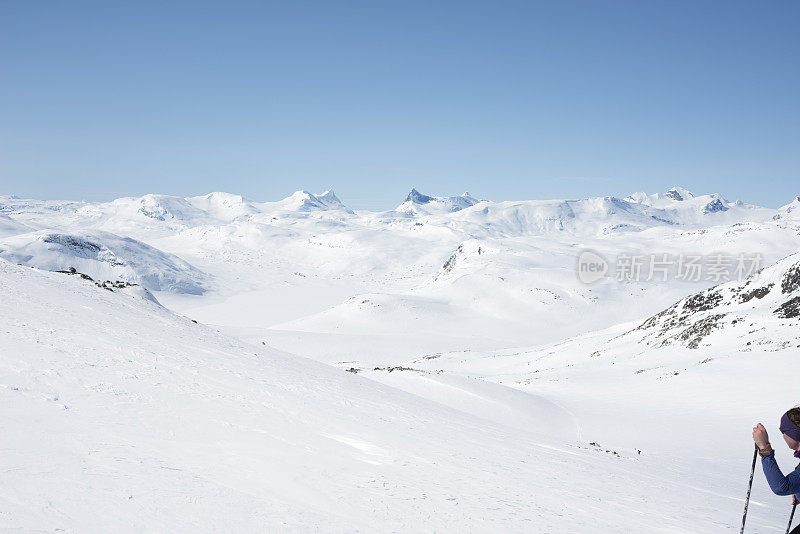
(790, 211)
(474, 307)
(119, 415)
(762, 310)
(105, 256)
(524, 291)
(751, 328)
(308, 263)
(646, 385)
(9, 226)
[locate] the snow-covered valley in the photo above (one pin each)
(302, 366)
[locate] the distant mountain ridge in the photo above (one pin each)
(305, 201)
(228, 206)
(418, 204)
(224, 227)
(165, 215)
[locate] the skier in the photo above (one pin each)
(780, 484)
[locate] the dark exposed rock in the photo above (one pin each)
(83, 248)
(600, 448)
(119, 284)
(417, 197)
(789, 309)
(657, 318)
(73, 271)
(111, 285)
(158, 214)
(758, 293)
(80, 247)
(791, 279)
(398, 368)
(682, 312)
(699, 330)
(673, 194)
(689, 321)
(715, 206)
(451, 261)
(703, 301)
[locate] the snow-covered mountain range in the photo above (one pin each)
(208, 378)
(502, 272)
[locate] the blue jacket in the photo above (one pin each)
(780, 485)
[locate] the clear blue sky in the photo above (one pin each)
(509, 100)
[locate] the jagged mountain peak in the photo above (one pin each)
(683, 206)
(329, 196)
(418, 203)
(793, 204)
(679, 193)
(417, 197)
(674, 194)
(715, 206)
(301, 193)
(304, 200)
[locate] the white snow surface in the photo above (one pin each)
(790, 211)
(489, 390)
(105, 256)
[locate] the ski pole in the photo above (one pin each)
(790, 518)
(749, 488)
